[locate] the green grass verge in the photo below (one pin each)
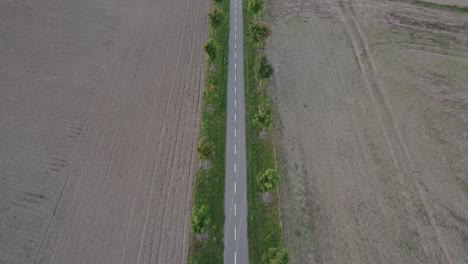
(459, 9)
(208, 188)
(264, 228)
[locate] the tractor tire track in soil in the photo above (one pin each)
(372, 99)
(434, 248)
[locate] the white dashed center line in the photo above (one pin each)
(235, 233)
(232, 177)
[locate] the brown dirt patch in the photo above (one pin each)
(99, 105)
(373, 103)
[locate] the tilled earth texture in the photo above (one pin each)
(98, 123)
(373, 100)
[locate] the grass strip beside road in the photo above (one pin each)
(208, 187)
(264, 227)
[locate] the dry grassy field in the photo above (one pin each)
(373, 101)
(99, 105)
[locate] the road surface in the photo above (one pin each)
(235, 199)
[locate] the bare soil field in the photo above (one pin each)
(373, 101)
(99, 105)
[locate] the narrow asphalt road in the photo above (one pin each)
(235, 197)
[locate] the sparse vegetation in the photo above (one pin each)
(207, 217)
(205, 149)
(460, 9)
(263, 116)
(264, 227)
(209, 93)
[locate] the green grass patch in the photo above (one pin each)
(208, 188)
(264, 228)
(459, 9)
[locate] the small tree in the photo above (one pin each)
(255, 6)
(260, 31)
(204, 148)
(215, 17)
(276, 256)
(211, 50)
(268, 180)
(263, 116)
(263, 68)
(200, 220)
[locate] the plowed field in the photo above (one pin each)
(373, 99)
(99, 104)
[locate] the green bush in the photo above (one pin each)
(260, 31)
(200, 220)
(276, 256)
(263, 69)
(211, 49)
(215, 17)
(263, 116)
(268, 180)
(255, 5)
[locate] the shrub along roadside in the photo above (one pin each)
(207, 217)
(264, 226)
